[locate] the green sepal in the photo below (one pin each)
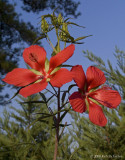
(36, 72)
(87, 104)
(93, 89)
(55, 70)
(93, 100)
(47, 65)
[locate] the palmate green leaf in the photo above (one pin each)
(2, 85)
(75, 24)
(32, 102)
(44, 117)
(69, 41)
(50, 98)
(78, 42)
(47, 16)
(63, 96)
(39, 38)
(67, 19)
(80, 38)
(43, 96)
(64, 114)
(43, 113)
(15, 94)
(71, 86)
(63, 125)
(66, 65)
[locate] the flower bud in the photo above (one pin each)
(44, 25)
(54, 20)
(64, 32)
(60, 19)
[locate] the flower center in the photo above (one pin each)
(86, 94)
(46, 75)
(40, 77)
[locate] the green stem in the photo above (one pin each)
(65, 45)
(49, 41)
(58, 40)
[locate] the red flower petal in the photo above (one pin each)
(77, 102)
(61, 77)
(107, 97)
(95, 77)
(79, 76)
(35, 57)
(96, 114)
(33, 88)
(20, 77)
(61, 57)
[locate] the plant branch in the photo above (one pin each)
(53, 89)
(57, 126)
(51, 92)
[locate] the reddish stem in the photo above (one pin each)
(57, 126)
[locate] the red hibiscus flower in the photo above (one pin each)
(90, 97)
(36, 79)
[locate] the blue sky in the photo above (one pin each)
(104, 19)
